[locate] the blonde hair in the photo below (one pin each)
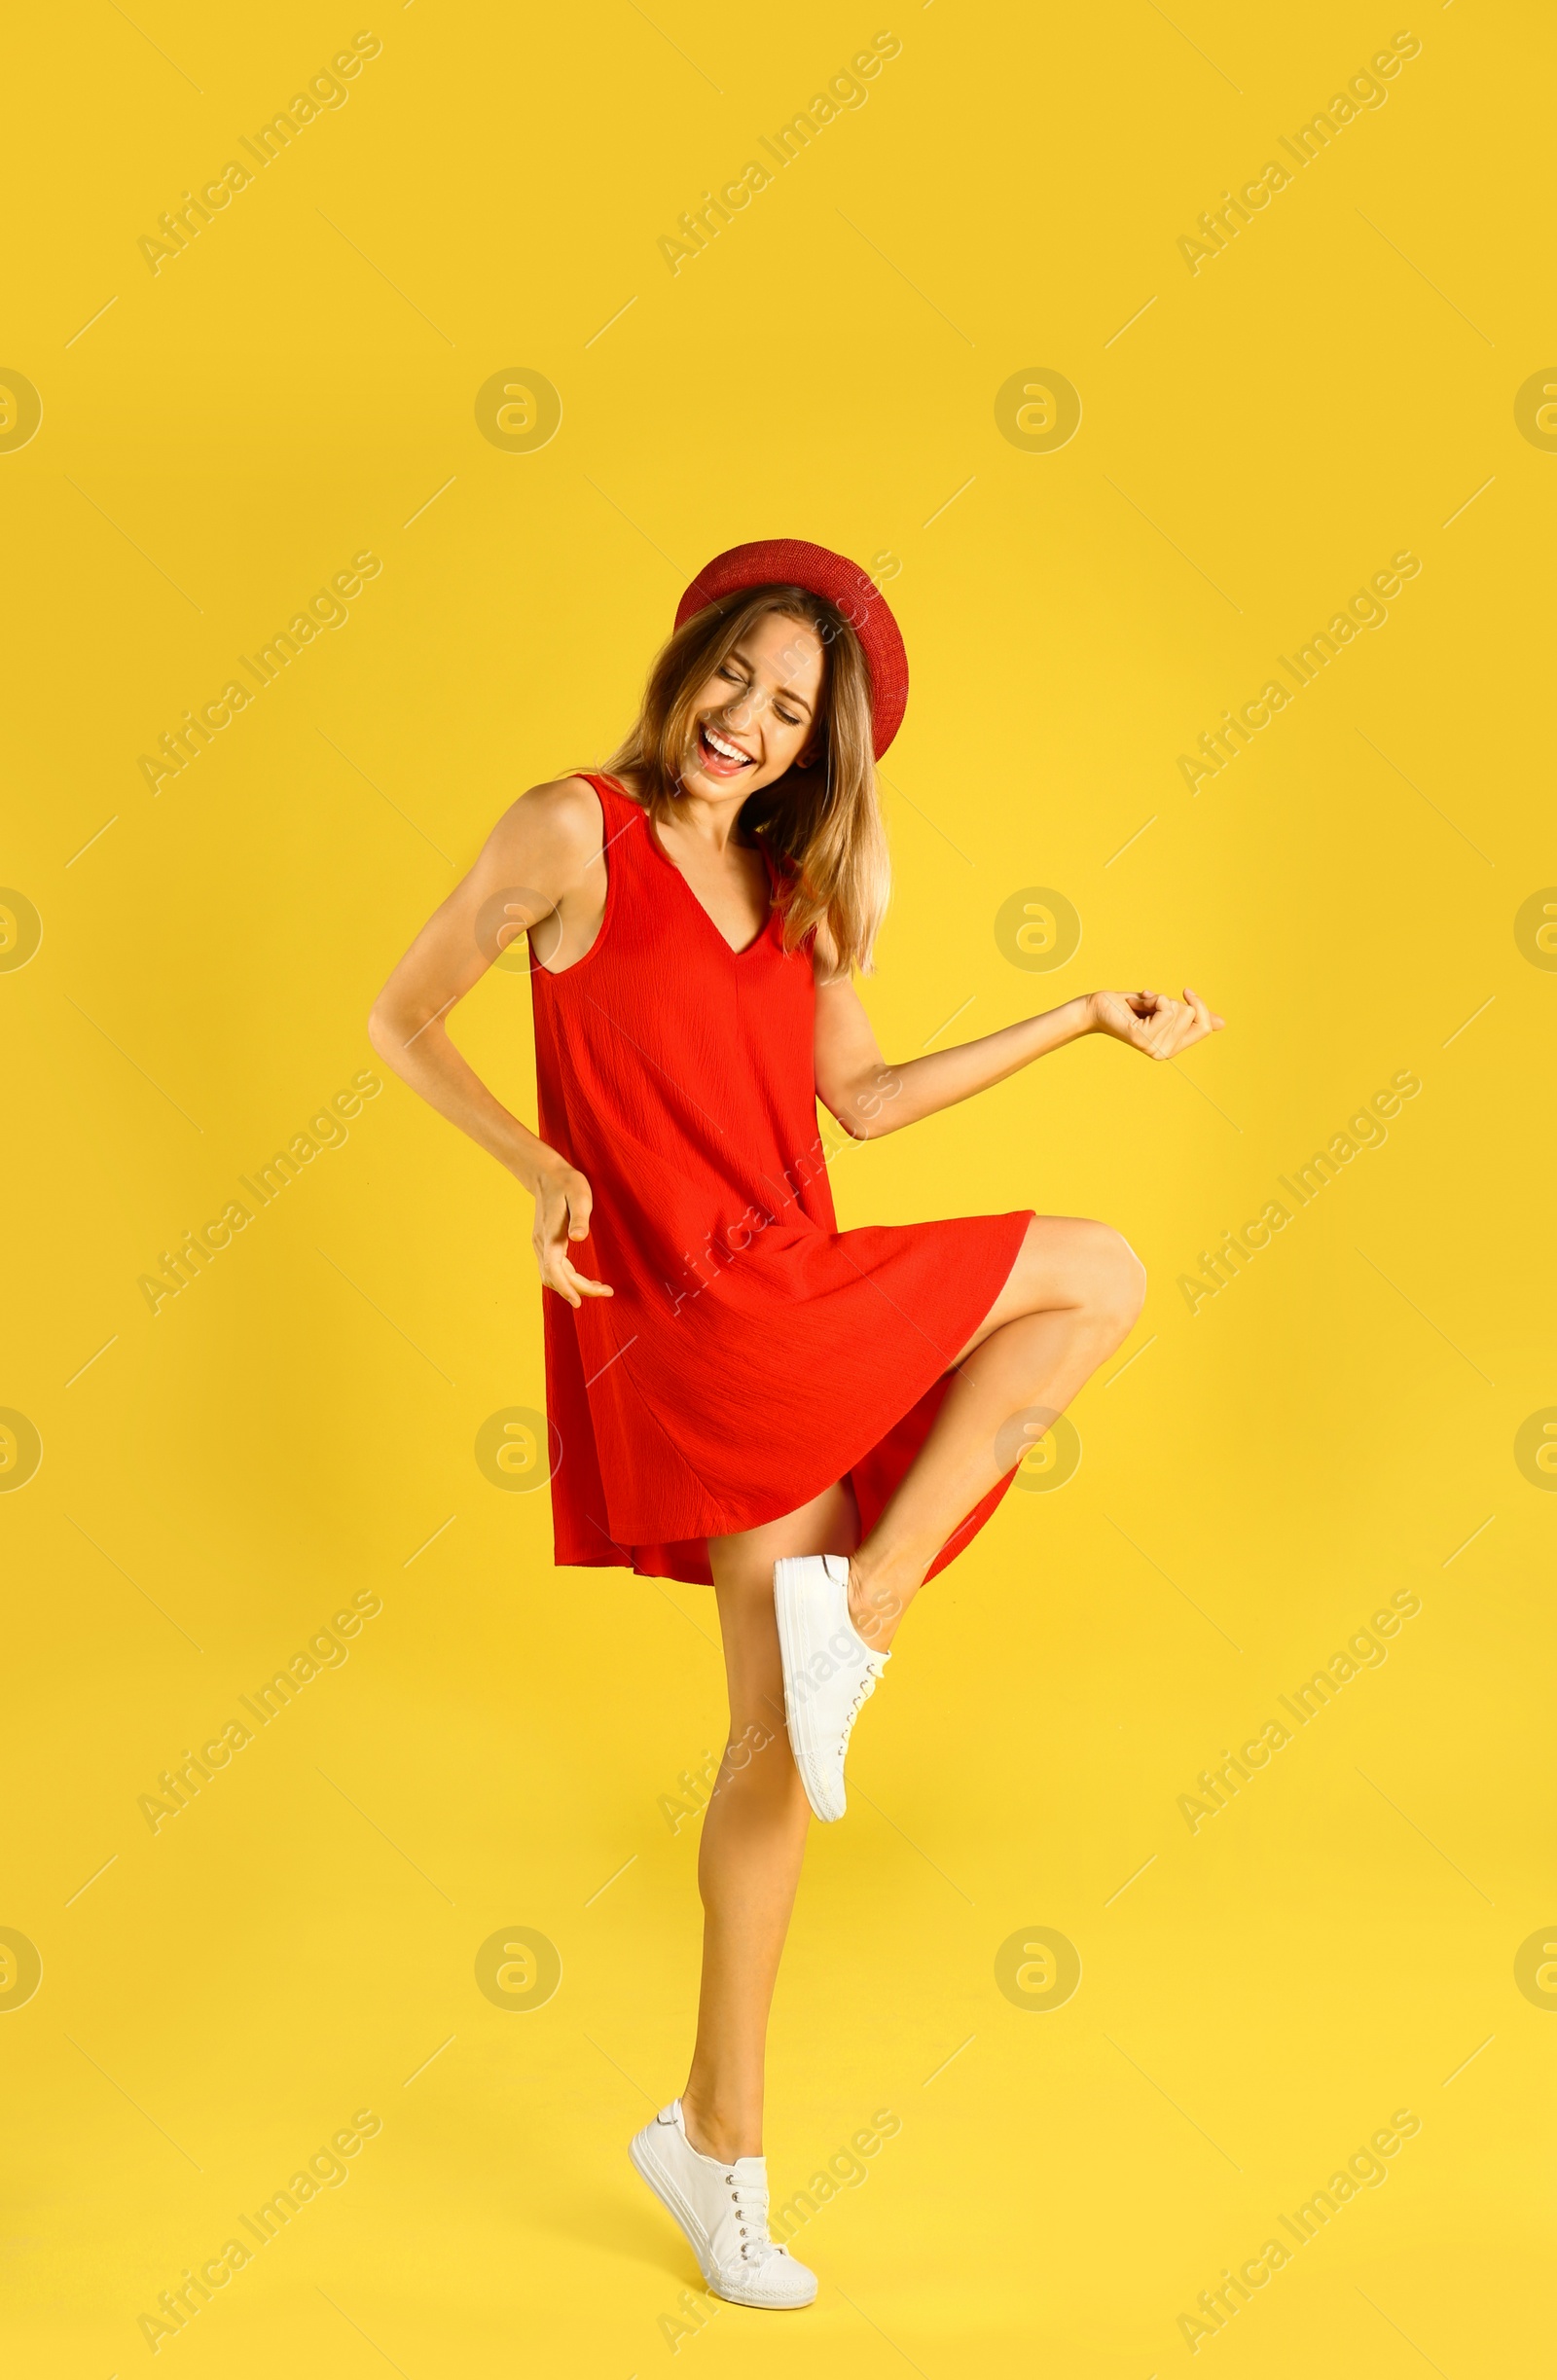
(821, 824)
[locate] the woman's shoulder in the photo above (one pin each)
(561, 822)
(566, 799)
(577, 803)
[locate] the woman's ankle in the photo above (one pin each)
(878, 1599)
(713, 2134)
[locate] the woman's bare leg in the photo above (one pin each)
(1072, 1295)
(754, 1831)
(1072, 1298)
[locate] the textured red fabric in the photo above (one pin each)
(752, 1355)
(793, 561)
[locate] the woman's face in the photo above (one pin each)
(758, 712)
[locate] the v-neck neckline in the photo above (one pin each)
(764, 929)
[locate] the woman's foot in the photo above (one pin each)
(830, 1672)
(723, 2210)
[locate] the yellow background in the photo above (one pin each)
(296, 1427)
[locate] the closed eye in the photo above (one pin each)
(737, 677)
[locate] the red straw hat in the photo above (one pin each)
(791, 561)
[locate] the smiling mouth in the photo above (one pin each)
(718, 755)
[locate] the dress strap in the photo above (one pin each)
(609, 789)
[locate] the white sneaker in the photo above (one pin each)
(830, 1672)
(723, 2210)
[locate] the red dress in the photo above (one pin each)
(754, 1355)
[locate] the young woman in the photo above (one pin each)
(812, 1422)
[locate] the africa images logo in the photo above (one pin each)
(1220, 1267)
(847, 92)
(181, 1267)
(326, 2169)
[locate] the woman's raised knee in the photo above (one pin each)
(1116, 1277)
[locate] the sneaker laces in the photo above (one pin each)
(862, 1694)
(751, 2221)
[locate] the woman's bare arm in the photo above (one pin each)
(540, 867)
(869, 1097)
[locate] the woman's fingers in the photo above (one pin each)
(1206, 1018)
(562, 1216)
(1156, 1024)
(573, 1285)
(558, 1271)
(1162, 1033)
(580, 1205)
(550, 1255)
(1202, 1014)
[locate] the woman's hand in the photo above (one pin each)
(562, 1203)
(1152, 1023)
